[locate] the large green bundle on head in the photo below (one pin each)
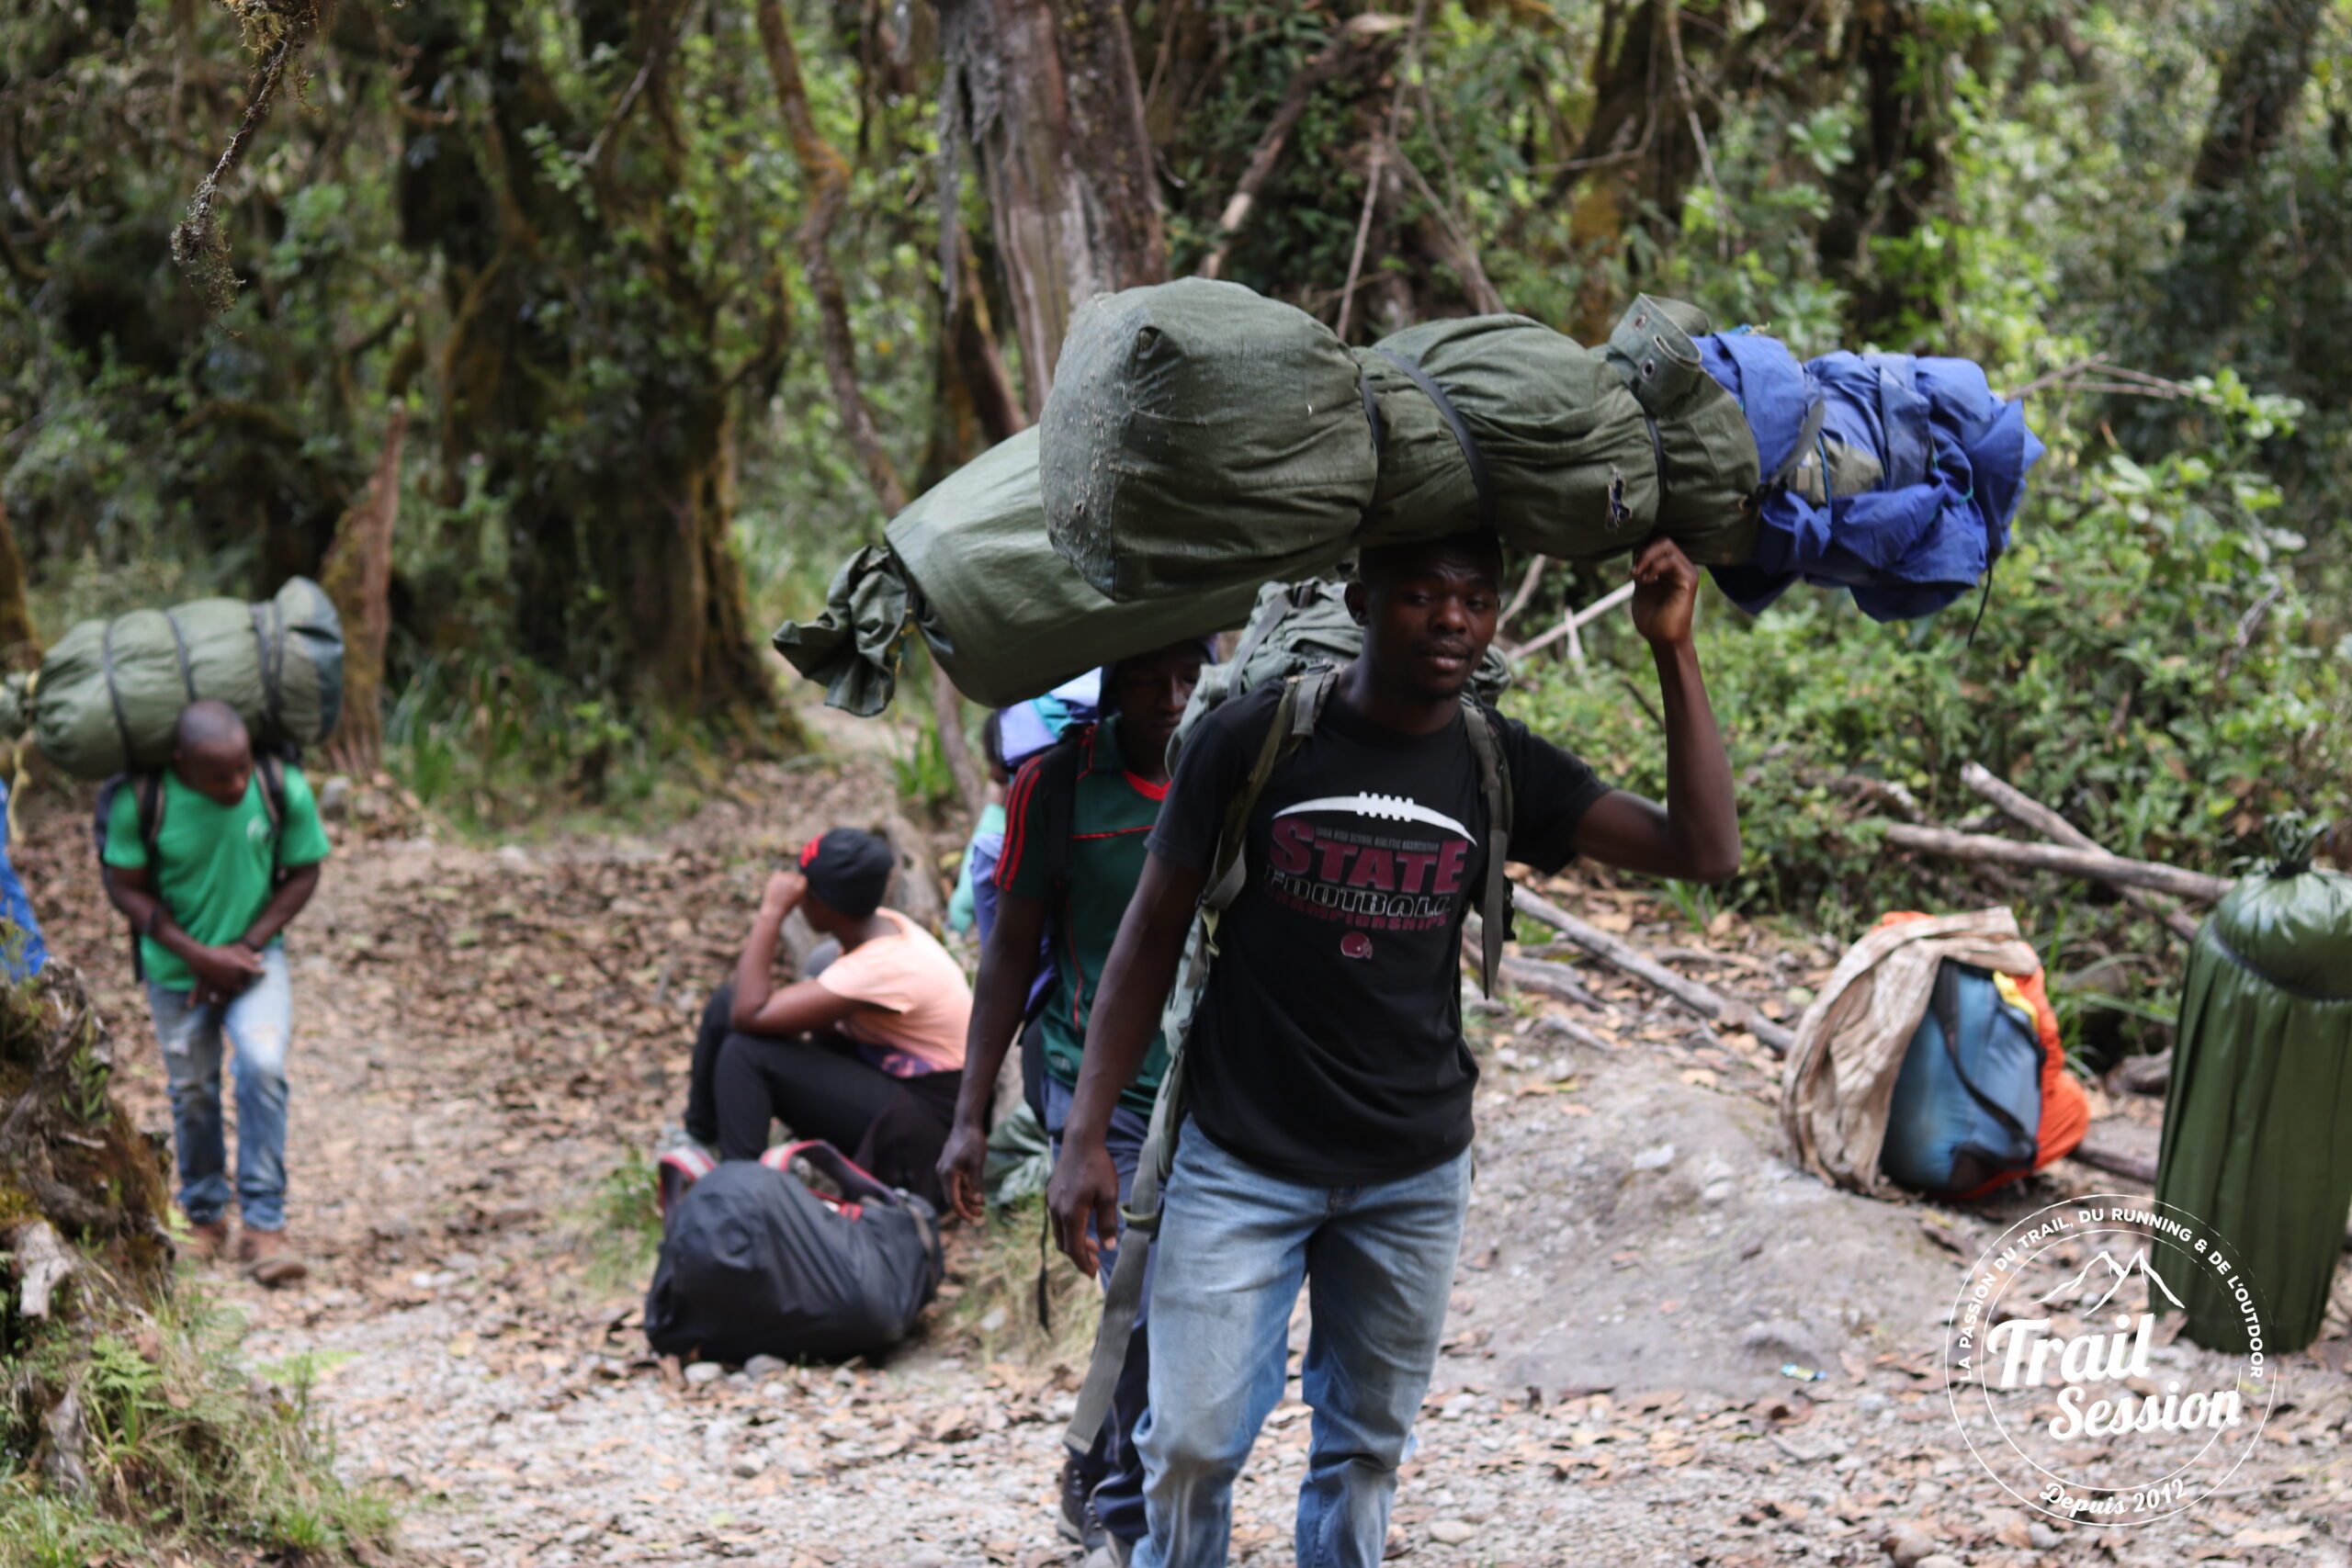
(970, 566)
(108, 696)
(1199, 435)
(2254, 1139)
(1194, 425)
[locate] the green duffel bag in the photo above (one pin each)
(2257, 1139)
(1199, 434)
(108, 696)
(1584, 454)
(968, 565)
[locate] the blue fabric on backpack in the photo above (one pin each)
(1967, 1103)
(21, 958)
(1954, 459)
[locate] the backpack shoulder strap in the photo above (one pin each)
(273, 802)
(147, 788)
(1294, 715)
(1494, 782)
(1057, 775)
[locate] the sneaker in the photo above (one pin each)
(1076, 1519)
(269, 1259)
(208, 1241)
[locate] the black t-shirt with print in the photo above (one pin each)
(1328, 1048)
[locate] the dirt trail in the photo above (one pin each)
(483, 1035)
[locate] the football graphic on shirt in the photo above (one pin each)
(1379, 867)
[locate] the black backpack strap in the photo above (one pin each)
(273, 801)
(148, 787)
(1494, 783)
(1057, 775)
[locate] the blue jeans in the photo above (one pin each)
(1114, 1465)
(1234, 1245)
(260, 1023)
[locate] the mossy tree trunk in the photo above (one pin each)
(20, 644)
(359, 577)
(580, 381)
(1045, 95)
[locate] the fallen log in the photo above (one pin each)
(2096, 865)
(1705, 1000)
(1554, 981)
(2032, 814)
(2099, 1156)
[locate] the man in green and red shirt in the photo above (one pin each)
(1068, 867)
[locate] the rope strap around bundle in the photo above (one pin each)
(1454, 421)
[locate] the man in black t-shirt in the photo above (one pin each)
(1329, 1085)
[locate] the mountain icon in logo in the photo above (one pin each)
(2104, 1271)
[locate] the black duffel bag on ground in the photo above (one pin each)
(755, 1263)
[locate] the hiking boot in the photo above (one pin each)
(208, 1241)
(268, 1259)
(1075, 1519)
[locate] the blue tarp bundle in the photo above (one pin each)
(1903, 493)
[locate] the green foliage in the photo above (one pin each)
(187, 1449)
(994, 1272)
(507, 744)
(618, 1228)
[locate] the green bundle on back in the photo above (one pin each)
(1200, 435)
(2257, 1137)
(969, 565)
(108, 697)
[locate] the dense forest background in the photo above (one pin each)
(646, 312)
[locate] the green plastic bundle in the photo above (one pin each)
(968, 564)
(1200, 435)
(2257, 1139)
(108, 696)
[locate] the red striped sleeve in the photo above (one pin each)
(1016, 821)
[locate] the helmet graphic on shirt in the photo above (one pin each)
(1356, 944)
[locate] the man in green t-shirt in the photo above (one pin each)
(224, 863)
(1119, 776)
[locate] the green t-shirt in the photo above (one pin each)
(216, 860)
(1109, 821)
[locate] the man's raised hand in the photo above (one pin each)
(1666, 593)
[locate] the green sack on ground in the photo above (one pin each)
(1197, 434)
(2257, 1139)
(970, 566)
(108, 696)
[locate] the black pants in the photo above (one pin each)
(820, 1086)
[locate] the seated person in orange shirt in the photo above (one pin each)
(866, 1050)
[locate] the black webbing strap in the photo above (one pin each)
(264, 645)
(1808, 437)
(1494, 782)
(106, 663)
(1453, 417)
(1370, 407)
(179, 646)
(1657, 453)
